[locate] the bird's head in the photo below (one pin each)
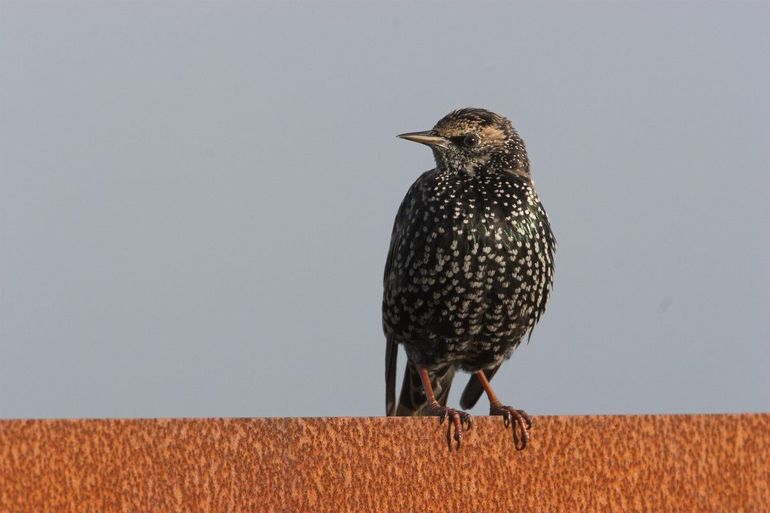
(472, 139)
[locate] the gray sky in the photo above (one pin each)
(196, 199)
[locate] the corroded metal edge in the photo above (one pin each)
(602, 463)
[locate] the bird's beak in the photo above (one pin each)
(429, 138)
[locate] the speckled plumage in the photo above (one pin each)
(471, 258)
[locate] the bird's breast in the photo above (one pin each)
(481, 236)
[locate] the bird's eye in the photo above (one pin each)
(470, 140)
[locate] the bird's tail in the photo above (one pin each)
(473, 389)
(413, 399)
(391, 359)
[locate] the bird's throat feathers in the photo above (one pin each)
(496, 163)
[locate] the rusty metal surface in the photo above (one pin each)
(682, 463)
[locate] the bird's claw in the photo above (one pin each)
(459, 421)
(519, 421)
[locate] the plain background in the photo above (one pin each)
(197, 199)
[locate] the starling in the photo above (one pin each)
(469, 270)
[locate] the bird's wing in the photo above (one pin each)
(391, 345)
(401, 217)
(473, 389)
(542, 292)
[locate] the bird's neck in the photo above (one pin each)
(519, 168)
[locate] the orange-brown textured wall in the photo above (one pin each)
(687, 463)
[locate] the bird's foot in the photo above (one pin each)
(459, 421)
(519, 421)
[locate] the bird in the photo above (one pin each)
(468, 273)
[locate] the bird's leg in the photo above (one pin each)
(458, 420)
(519, 421)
